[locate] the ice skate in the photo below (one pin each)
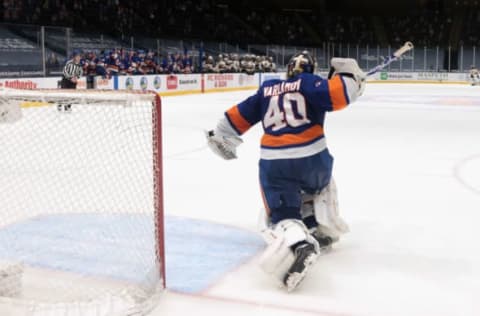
(325, 242)
(305, 256)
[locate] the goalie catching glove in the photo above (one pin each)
(223, 146)
(348, 67)
(224, 140)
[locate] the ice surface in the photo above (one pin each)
(407, 166)
(198, 252)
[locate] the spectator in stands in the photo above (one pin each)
(117, 62)
(208, 64)
(12, 10)
(52, 60)
(429, 24)
(100, 69)
(248, 63)
(112, 63)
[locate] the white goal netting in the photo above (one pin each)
(81, 219)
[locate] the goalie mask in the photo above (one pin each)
(301, 62)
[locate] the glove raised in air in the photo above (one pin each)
(348, 67)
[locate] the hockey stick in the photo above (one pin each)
(389, 59)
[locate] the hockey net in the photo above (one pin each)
(81, 213)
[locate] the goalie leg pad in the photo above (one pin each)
(278, 257)
(326, 212)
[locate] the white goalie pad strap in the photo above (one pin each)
(325, 207)
(9, 111)
(10, 279)
(278, 256)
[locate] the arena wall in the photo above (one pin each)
(204, 83)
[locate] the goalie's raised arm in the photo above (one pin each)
(352, 75)
(224, 139)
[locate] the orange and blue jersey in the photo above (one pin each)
(292, 113)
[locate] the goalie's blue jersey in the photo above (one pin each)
(292, 113)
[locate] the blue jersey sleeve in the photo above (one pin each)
(329, 95)
(246, 114)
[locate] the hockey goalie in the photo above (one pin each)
(474, 76)
(302, 218)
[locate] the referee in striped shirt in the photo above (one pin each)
(71, 72)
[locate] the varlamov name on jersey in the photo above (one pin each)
(281, 88)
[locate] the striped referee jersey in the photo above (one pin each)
(72, 70)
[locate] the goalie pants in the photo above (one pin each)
(283, 180)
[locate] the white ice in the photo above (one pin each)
(407, 166)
